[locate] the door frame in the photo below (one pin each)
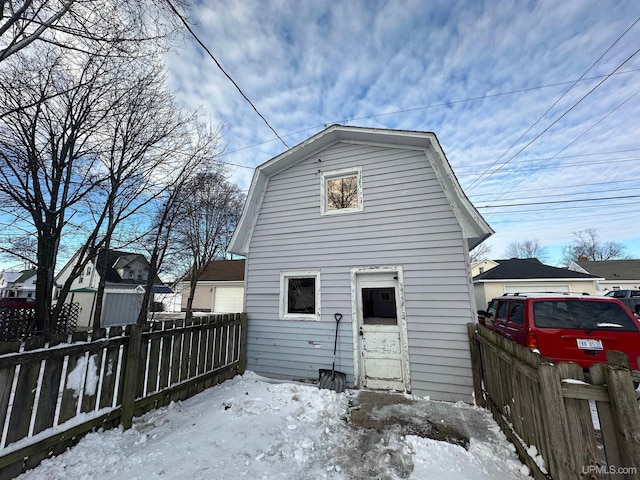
(402, 321)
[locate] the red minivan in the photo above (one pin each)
(566, 328)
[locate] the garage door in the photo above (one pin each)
(228, 299)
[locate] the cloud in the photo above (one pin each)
(446, 67)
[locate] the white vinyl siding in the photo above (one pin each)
(407, 221)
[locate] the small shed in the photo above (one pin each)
(120, 306)
(371, 224)
(125, 276)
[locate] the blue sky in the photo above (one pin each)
(484, 76)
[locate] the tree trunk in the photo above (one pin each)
(45, 273)
(193, 282)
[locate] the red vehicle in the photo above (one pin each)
(16, 302)
(566, 328)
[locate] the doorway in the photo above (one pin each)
(380, 329)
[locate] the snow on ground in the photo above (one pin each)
(252, 427)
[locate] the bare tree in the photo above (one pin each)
(587, 244)
(48, 164)
(23, 247)
(76, 24)
(480, 252)
(526, 249)
(84, 150)
(142, 140)
(208, 218)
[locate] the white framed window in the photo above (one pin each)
(341, 191)
(300, 295)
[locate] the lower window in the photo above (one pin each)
(300, 295)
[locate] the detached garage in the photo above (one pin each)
(220, 289)
(529, 275)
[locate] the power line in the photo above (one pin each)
(554, 104)
(561, 195)
(532, 169)
(540, 167)
(426, 107)
(193, 34)
(565, 186)
(558, 201)
(620, 208)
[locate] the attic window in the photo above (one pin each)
(300, 295)
(341, 191)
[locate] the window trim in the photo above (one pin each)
(284, 297)
(342, 173)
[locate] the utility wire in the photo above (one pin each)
(426, 107)
(540, 167)
(539, 189)
(193, 34)
(554, 104)
(557, 201)
(545, 165)
(561, 116)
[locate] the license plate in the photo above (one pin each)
(589, 344)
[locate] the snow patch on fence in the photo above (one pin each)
(84, 377)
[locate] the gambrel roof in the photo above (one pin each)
(474, 228)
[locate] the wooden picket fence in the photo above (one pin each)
(55, 390)
(547, 406)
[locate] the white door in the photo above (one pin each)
(381, 332)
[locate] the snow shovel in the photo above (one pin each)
(330, 379)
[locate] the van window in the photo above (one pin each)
(502, 310)
(582, 315)
(493, 306)
(516, 312)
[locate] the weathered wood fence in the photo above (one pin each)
(545, 409)
(54, 390)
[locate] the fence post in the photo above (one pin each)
(476, 365)
(605, 417)
(243, 344)
(625, 408)
(561, 466)
(131, 374)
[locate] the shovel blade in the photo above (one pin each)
(332, 380)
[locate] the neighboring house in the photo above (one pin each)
(220, 288)
(616, 274)
(18, 284)
(126, 276)
(482, 266)
(371, 224)
(529, 275)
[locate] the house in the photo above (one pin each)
(373, 225)
(220, 288)
(126, 276)
(18, 284)
(520, 275)
(482, 266)
(616, 274)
